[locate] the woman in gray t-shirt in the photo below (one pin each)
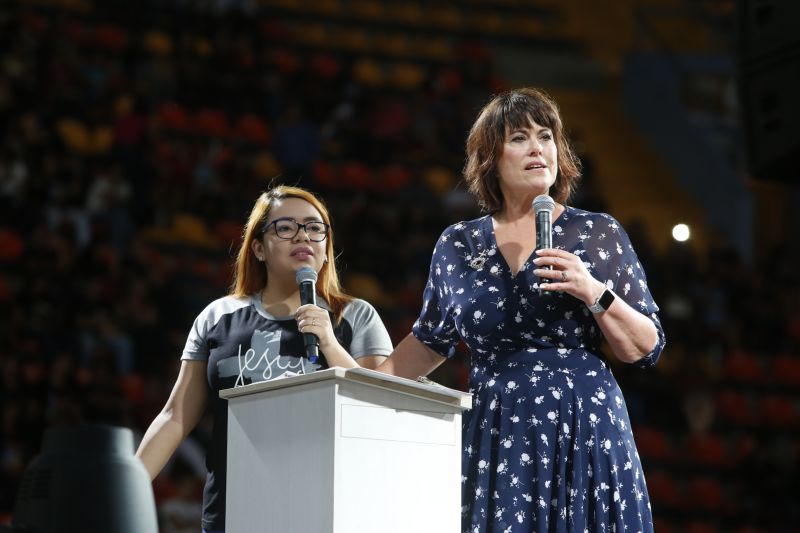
(256, 332)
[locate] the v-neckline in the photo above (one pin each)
(493, 244)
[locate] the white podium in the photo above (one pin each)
(344, 451)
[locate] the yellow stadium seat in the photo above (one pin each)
(158, 43)
(368, 72)
(406, 75)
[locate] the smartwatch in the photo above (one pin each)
(603, 302)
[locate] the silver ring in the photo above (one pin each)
(564, 276)
(313, 321)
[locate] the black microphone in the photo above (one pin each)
(543, 207)
(307, 279)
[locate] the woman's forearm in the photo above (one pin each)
(411, 359)
(159, 443)
(630, 334)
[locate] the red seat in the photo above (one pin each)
(735, 407)
(173, 116)
(743, 367)
(778, 411)
(786, 369)
(228, 233)
(709, 449)
(325, 175)
(393, 178)
(700, 527)
(211, 122)
(252, 128)
(664, 490)
(110, 37)
(706, 493)
(286, 61)
(653, 444)
(356, 175)
(326, 66)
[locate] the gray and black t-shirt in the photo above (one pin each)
(242, 344)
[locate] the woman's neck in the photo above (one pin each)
(514, 211)
(280, 299)
(520, 211)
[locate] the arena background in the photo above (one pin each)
(135, 136)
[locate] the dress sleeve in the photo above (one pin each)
(369, 334)
(436, 327)
(611, 256)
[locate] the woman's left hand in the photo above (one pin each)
(568, 274)
(314, 319)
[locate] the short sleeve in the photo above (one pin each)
(610, 254)
(436, 327)
(369, 333)
(196, 348)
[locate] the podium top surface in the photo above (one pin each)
(433, 392)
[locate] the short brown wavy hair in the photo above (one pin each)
(506, 112)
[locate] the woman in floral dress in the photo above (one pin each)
(547, 445)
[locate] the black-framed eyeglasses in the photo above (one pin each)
(288, 228)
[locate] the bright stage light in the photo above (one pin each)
(681, 232)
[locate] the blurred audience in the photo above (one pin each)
(131, 140)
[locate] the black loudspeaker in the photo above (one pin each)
(769, 87)
(85, 480)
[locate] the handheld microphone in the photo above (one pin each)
(543, 207)
(307, 279)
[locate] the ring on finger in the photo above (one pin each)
(564, 277)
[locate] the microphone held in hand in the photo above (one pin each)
(307, 280)
(543, 207)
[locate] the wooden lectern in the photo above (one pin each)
(344, 451)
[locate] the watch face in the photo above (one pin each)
(606, 299)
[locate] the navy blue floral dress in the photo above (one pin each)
(547, 444)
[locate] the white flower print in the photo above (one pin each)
(501, 467)
(539, 358)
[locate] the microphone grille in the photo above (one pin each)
(306, 274)
(543, 203)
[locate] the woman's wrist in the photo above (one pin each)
(326, 344)
(597, 289)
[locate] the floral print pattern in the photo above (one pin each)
(547, 445)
